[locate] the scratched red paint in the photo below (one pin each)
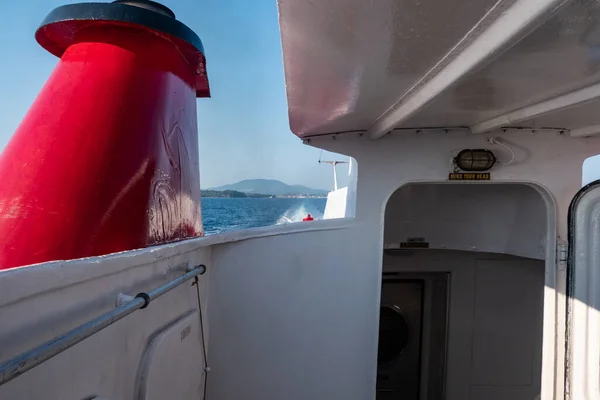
(106, 159)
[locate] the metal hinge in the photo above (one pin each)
(562, 253)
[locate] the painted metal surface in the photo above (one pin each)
(335, 207)
(399, 373)
(174, 342)
(121, 360)
(559, 56)
(340, 202)
(583, 349)
(107, 157)
(332, 273)
(492, 35)
(39, 302)
(497, 336)
(479, 68)
(575, 117)
(551, 162)
(317, 341)
(347, 61)
(517, 214)
(63, 25)
(19, 365)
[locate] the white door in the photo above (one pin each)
(583, 289)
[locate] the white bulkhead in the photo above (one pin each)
(428, 288)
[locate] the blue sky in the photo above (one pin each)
(243, 129)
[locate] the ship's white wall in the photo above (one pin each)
(294, 317)
(155, 353)
(292, 314)
(341, 203)
(550, 161)
(291, 303)
(494, 348)
(351, 195)
(502, 218)
(336, 204)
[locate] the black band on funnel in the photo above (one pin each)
(150, 5)
(141, 12)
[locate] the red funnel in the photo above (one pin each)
(106, 159)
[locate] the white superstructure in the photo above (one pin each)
(487, 289)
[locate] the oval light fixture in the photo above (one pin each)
(475, 160)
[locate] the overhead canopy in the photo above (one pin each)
(375, 66)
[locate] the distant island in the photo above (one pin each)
(261, 188)
(232, 194)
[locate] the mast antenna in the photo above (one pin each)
(333, 164)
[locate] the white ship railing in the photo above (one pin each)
(22, 363)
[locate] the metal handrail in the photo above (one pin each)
(22, 363)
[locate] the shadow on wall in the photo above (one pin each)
(495, 218)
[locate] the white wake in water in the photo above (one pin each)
(296, 214)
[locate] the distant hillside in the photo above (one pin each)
(269, 186)
(233, 194)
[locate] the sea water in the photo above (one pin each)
(225, 214)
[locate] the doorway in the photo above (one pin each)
(412, 336)
(477, 254)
